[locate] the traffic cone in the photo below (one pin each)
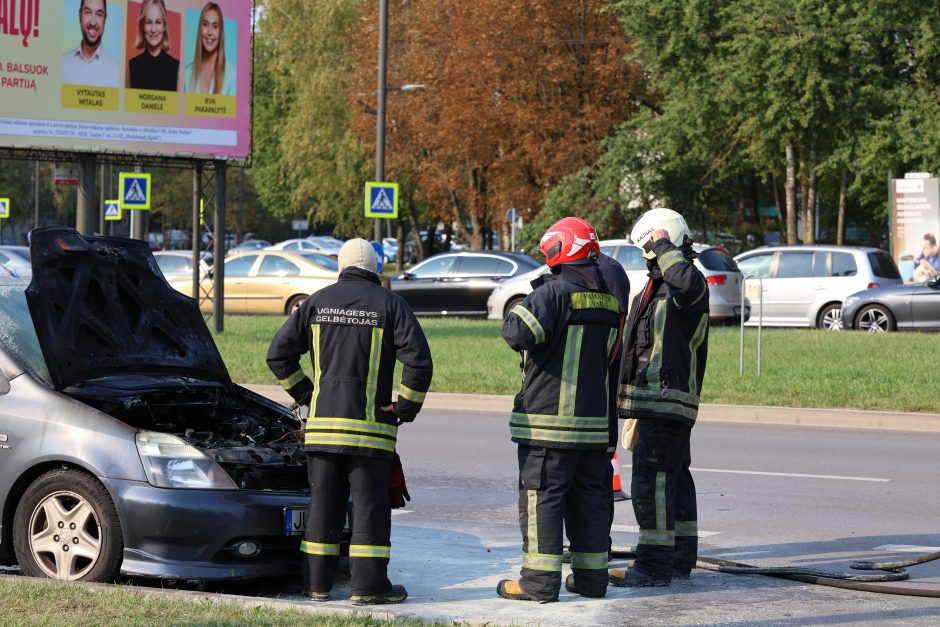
(616, 487)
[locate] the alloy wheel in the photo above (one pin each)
(65, 536)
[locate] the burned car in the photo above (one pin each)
(124, 445)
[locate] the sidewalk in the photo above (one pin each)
(751, 414)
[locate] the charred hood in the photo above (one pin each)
(101, 307)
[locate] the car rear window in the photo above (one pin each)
(483, 266)
(717, 259)
(883, 265)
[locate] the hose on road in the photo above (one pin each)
(893, 571)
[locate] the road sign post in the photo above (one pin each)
(4, 214)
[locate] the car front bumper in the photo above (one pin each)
(188, 534)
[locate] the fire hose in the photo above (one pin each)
(891, 571)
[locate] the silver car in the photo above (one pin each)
(804, 286)
(15, 259)
(124, 445)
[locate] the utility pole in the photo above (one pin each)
(380, 107)
(85, 217)
(36, 195)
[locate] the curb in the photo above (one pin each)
(746, 414)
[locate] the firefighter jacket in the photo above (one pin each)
(567, 328)
(354, 331)
(667, 342)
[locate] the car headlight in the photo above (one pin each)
(851, 300)
(169, 462)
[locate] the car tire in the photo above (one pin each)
(66, 527)
(875, 319)
(517, 300)
(294, 303)
(830, 317)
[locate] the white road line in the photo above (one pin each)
(399, 512)
(784, 474)
(907, 548)
(635, 529)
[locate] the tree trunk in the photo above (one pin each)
(791, 195)
(477, 184)
(777, 202)
(840, 224)
(415, 234)
(458, 220)
(400, 238)
(809, 221)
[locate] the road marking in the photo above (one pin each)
(636, 529)
(784, 474)
(399, 512)
(907, 548)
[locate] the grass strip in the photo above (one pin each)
(27, 602)
(801, 367)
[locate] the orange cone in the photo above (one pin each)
(616, 487)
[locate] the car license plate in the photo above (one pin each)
(295, 521)
(752, 290)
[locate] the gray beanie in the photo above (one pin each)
(357, 253)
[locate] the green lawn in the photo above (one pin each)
(801, 367)
(34, 603)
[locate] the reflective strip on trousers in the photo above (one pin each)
(687, 528)
(370, 550)
(292, 380)
(569, 370)
(412, 395)
(697, 338)
(317, 366)
(319, 548)
(375, 352)
(543, 561)
(660, 535)
(530, 321)
(589, 561)
(532, 517)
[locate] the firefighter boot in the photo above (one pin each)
(570, 586)
(633, 578)
(317, 596)
(510, 589)
(395, 594)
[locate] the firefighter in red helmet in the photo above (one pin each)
(566, 329)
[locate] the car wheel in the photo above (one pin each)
(512, 303)
(294, 303)
(875, 319)
(66, 527)
(830, 317)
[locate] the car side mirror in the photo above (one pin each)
(407, 276)
(4, 384)
(934, 282)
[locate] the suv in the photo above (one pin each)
(804, 286)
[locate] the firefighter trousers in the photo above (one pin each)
(664, 498)
(333, 478)
(563, 490)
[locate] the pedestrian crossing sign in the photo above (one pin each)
(112, 210)
(135, 190)
(382, 200)
(4, 207)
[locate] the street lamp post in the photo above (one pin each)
(380, 107)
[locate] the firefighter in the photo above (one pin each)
(661, 381)
(354, 330)
(566, 328)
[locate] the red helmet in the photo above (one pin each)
(569, 239)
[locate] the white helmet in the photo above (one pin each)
(661, 218)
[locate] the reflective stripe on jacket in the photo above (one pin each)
(667, 344)
(354, 330)
(567, 328)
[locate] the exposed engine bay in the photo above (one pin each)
(256, 441)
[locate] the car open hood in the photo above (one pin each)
(101, 308)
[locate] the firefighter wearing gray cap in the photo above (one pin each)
(660, 383)
(354, 331)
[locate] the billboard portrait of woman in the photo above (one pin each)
(208, 72)
(154, 68)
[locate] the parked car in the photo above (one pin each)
(390, 246)
(306, 245)
(906, 307)
(723, 277)
(177, 265)
(326, 244)
(249, 244)
(804, 286)
(15, 258)
(458, 283)
(268, 281)
(126, 448)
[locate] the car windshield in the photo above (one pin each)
(17, 334)
(327, 263)
(717, 259)
(883, 265)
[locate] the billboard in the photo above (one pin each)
(915, 225)
(140, 77)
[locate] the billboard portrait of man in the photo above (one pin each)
(90, 63)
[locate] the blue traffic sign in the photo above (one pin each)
(4, 207)
(112, 210)
(382, 200)
(135, 190)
